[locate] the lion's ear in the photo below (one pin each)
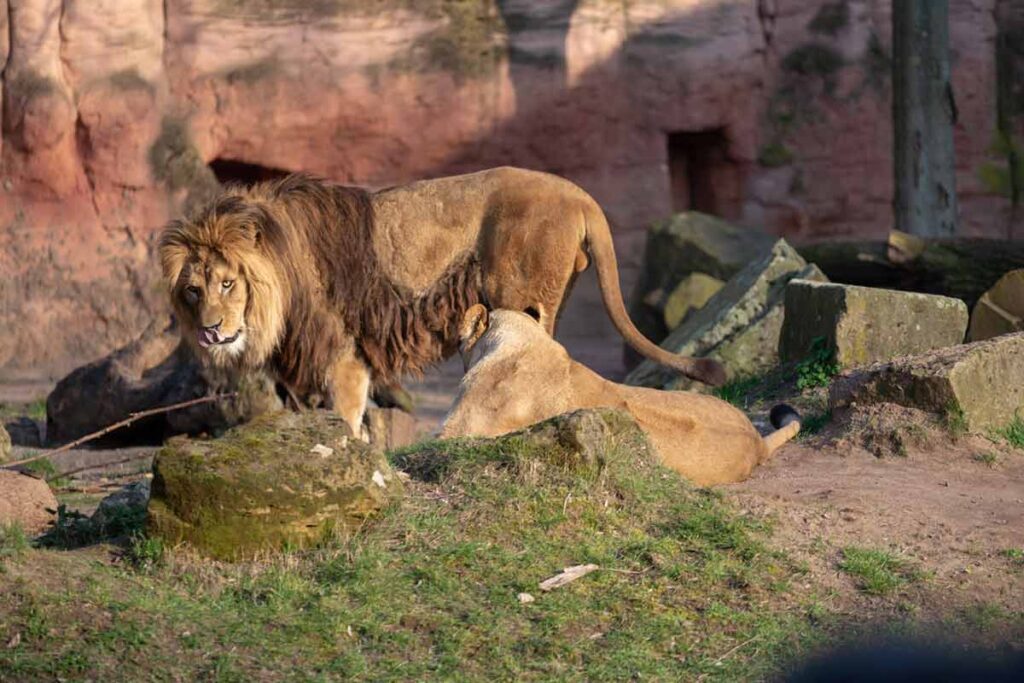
(173, 251)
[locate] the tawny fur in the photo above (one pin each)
(518, 375)
(334, 287)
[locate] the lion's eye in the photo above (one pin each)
(227, 284)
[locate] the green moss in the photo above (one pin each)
(877, 64)
(27, 85)
(831, 18)
(815, 60)
(175, 162)
(258, 488)
(774, 154)
(467, 45)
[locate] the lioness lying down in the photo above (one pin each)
(518, 375)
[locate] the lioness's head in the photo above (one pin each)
(223, 283)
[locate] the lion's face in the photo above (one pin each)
(223, 284)
(212, 294)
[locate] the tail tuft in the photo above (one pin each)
(782, 415)
(708, 371)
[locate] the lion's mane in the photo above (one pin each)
(306, 250)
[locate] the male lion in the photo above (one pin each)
(334, 287)
(518, 375)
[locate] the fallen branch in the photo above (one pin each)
(118, 425)
(568, 575)
(98, 465)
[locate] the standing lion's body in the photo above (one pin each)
(335, 287)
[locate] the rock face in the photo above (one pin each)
(739, 326)
(981, 383)
(25, 501)
(689, 242)
(116, 114)
(864, 325)
(391, 428)
(154, 370)
(285, 480)
(1000, 310)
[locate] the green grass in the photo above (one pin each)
(956, 421)
(687, 587)
(812, 424)
(876, 572)
(13, 541)
(819, 367)
(737, 391)
(1013, 433)
(1015, 556)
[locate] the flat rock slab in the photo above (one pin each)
(1000, 310)
(983, 382)
(26, 501)
(865, 325)
(689, 296)
(739, 326)
(284, 480)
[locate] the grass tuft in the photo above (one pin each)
(819, 367)
(1013, 433)
(876, 572)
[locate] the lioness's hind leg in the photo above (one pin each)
(348, 382)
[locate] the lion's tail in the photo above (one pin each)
(786, 421)
(599, 239)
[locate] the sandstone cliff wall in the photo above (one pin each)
(119, 114)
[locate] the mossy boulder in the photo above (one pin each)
(688, 242)
(864, 325)
(739, 326)
(284, 480)
(581, 441)
(979, 385)
(1000, 310)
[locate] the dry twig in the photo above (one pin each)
(117, 425)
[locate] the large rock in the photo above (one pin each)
(982, 383)
(688, 242)
(155, 370)
(864, 325)
(739, 326)
(582, 440)
(284, 480)
(26, 501)
(1000, 310)
(5, 445)
(392, 428)
(689, 296)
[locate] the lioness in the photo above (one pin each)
(518, 375)
(334, 287)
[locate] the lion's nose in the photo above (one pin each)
(214, 327)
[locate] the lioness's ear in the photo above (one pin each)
(173, 251)
(474, 324)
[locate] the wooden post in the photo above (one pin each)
(924, 112)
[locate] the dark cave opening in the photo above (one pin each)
(231, 171)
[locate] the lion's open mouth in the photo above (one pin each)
(208, 338)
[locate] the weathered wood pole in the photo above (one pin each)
(924, 112)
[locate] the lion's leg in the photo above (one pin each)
(348, 382)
